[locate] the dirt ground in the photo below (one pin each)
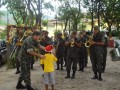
(111, 78)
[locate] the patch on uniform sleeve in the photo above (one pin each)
(30, 49)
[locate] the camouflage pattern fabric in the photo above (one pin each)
(28, 45)
(97, 54)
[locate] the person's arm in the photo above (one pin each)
(36, 54)
(41, 47)
(77, 44)
(55, 59)
(99, 43)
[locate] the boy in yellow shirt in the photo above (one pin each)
(48, 63)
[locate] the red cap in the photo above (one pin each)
(48, 48)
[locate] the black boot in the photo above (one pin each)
(29, 87)
(32, 66)
(103, 70)
(95, 76)
(100, 77)
(17, 71)
(68, 75)
(58, 65)
(20, 86)
(73, 75)
(57, 68)
(62, 67)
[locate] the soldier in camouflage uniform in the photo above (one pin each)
(72, 55)
(17, 40)
(66, 47)
(85, 49)
(45, 41)
(105, 51)
(81, 56)
(27, 52)
(96, 53)
(60, 50)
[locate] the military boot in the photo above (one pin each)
(68, 75)
(95, 76)
(17, 71)
(62, 67)
(32, 66)
(29, 87)
(100, 77)
(73, 75)
(20, 86)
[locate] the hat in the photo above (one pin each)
(48, 48)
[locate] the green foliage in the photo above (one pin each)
(28, 12)
(44, 22)
(69, 10)
(1, 14)
(56, 32)
(3, 35)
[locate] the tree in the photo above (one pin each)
(69, 10)
(26, 12)
(110, 10)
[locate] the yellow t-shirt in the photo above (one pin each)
(48, 62)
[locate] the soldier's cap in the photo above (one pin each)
(37, 33)
(59, 34)
(96, 28)
(48, 48)
(83, 31)
(80, 33)
(73, 33)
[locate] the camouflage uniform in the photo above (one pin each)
(96, 54)
(60, 52)
(104, 53)
(85, 51)
(44, 42)
(28, 45)
(65, 50)
(72, 59)
(81, 56)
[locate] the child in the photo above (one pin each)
(48, 63)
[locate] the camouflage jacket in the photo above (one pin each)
(28, 45)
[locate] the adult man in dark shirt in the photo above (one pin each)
(66, 37)
(81, 56)
(60, 50)
(97, 53)
(105, 51)
(85, 49)
(72, 54)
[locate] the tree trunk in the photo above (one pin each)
(109, 27)
(92, 19)
(14, 18)
(66, 22)
(98, 14)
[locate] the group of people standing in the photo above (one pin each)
(73, 50)
(70, 52)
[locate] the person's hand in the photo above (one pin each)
(41, 56)
(93, 43)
